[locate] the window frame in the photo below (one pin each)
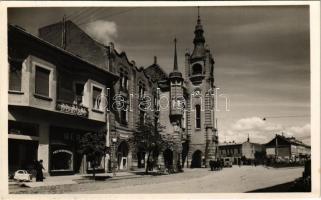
(198, 117)
(92, 97)
(50, 77)
(11, 62)
(75, 83)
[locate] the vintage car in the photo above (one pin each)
(228, 162)
(22, 175)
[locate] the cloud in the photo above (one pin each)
(103, 31)
(261, 131)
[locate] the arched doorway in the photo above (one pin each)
(196, 159)
(122, 155)
(141, 158)
(168, 158)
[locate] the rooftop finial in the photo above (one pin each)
(175, 56)
(198, 13)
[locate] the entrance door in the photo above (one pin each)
(197, 159)
(122, 153)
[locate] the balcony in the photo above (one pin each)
(72, 109)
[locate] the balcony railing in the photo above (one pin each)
(72, 109)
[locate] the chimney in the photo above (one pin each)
(155, 60)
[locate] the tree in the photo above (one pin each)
(149, 137)
(93, 145)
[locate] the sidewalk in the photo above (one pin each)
(75, 179)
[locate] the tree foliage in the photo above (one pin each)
(93, 145)
(150, 138)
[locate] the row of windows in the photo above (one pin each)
(230, 151)
(42, 85)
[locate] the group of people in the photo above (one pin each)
(38, 167)
(216, 165)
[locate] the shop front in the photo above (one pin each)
(65, 157)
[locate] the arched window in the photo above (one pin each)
(198, 116)
(197, 69)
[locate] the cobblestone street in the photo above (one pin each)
(235, 179)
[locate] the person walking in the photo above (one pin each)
(39, 167)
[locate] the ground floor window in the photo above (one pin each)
(62, 159)
(22, 154)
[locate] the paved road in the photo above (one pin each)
(236, 179)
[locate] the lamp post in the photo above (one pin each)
(114, 157)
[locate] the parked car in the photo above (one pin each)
(22, 175)
(228, 162)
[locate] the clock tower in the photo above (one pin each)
(199, 81)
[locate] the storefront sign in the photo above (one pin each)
(62, 151)
(72, 109)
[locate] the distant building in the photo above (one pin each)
(287, 148)
(236, 151)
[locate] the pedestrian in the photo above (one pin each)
(39, 167)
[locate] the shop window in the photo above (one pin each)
(97, 98)
(15, 76)
(198, 116)
(62, 160)
(42, 81)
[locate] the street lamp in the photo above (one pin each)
(114, 141)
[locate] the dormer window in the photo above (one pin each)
(196, 69)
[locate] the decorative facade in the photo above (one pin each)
(76, 72)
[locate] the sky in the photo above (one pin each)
(261, 53)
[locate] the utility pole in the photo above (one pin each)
(276, 146)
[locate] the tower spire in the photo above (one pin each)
(175, 56)
(199, 39)
(198, 14)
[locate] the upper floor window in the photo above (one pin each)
(142, 115)
(123, 80)
(79, 93)
(42, 81)
(198, 116)
(15, 76)
(124, 113)
(197, 69)
(141, 89)
(97, 98)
